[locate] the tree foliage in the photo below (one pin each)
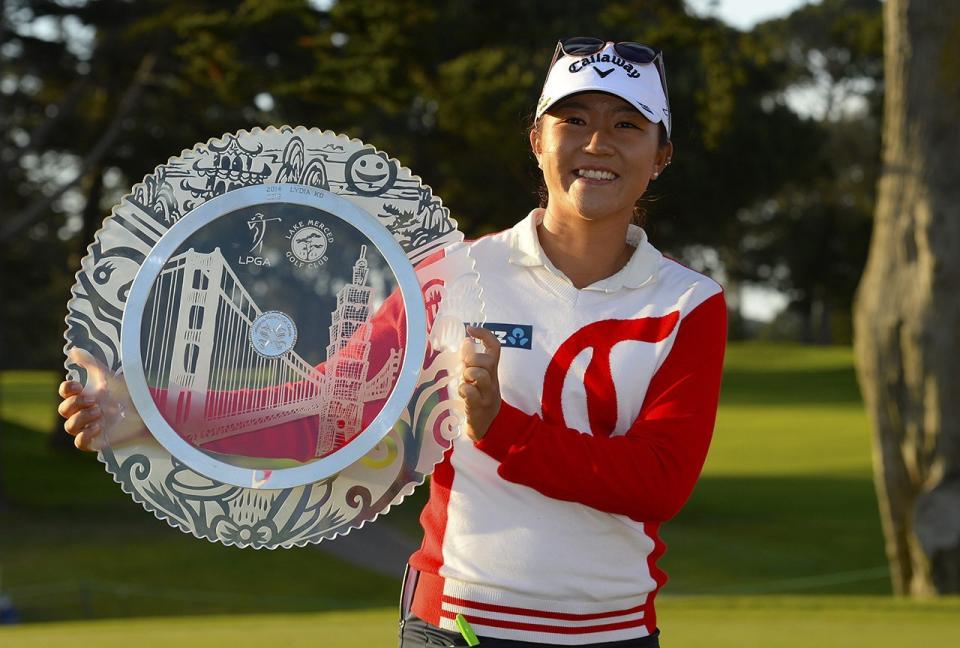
(95, 94)
(809, 238)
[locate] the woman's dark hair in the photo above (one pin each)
(639, 208)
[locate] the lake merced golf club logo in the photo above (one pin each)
(309, 241)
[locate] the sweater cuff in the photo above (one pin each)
(503, 431)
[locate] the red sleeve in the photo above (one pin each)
(649, 472)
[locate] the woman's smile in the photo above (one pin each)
(595, 175)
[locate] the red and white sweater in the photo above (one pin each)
(547, 529)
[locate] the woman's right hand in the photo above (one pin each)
(101, 408)
(83, 414)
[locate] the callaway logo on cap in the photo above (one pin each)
(606, 71)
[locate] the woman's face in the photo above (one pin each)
(598, 154)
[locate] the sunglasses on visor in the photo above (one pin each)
(633, 52)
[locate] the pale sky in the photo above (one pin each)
(744, 14)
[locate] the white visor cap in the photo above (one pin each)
(606, 71)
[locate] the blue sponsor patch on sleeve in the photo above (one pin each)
(512, 336)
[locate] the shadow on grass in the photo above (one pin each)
(73, 545)
(773, 534)
(820, 386)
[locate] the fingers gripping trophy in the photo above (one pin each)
(263, 340)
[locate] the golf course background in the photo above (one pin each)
(780, 544)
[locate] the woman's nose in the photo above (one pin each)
(599, 143)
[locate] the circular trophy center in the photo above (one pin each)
(272, 334)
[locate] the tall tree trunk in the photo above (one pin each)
(907, 310)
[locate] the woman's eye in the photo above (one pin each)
(574, 120)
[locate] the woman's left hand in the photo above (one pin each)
(480, 388)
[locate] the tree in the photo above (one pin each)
(907, 311)
(809, 240)
(111, 88)
(96, 98)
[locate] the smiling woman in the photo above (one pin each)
(589, 428)
(589, 409)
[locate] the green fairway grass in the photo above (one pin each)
(717, 622)
(786, 501)
(785, 507)
(73, 545)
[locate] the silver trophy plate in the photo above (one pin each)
(271, 322)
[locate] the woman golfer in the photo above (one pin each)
(590, 408)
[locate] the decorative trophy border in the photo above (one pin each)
(259, 517)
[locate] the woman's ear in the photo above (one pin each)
(664, 156)
(535, 144)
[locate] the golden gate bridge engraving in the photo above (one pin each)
(209, 381)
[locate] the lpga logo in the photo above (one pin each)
(258, 227)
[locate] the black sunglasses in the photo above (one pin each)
(633, 52)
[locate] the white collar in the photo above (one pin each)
(641, 268)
